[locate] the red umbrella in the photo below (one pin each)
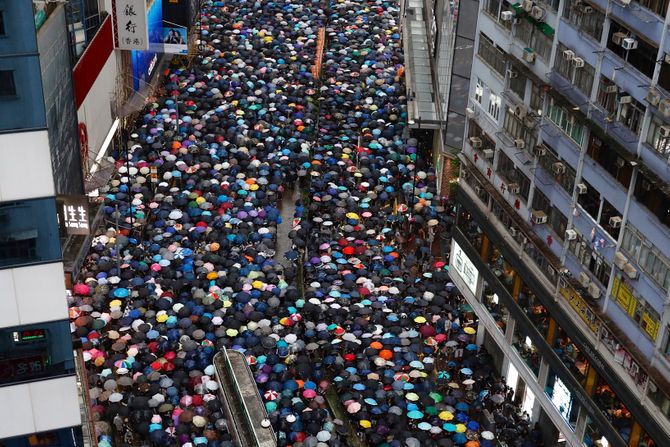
(348, 250)
(271, 395)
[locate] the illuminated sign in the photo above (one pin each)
(29, 335)
(562, 398)
(73, 214)
(460, 263)
(21, 367)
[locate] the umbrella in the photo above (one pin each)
(469, 330)
(415, 414)
(446, 415)
(271, 395)
(488, 435)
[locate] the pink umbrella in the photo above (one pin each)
(309, 394)
(353, 408)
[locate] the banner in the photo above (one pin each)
(175, 26)
(320, 46)
(130, 25)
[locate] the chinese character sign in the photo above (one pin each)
(74, 214)
(130, 25)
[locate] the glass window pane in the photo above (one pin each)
(35, 351)
(28, 232)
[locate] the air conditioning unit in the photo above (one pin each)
(611, 88)
(615, 222)
(529, 56)
(513, 188)
(618, 37)
(519, 143)
(586, 9)
(664, 131)
(506, 16)
(540, 150)
(558, 168)
(629, 44)
(520, 110)
(537, 13)
(578, 62)
(594, 290)
(488, 154)
(653, 97)
(568, 55)
(512, 231)
(625, 2)
(475, 142)
(584, 280)
(581, 188)
(664, 107)
(529, 122)
(511, 73)
(570, 234)
(470, 112)
(527, 5)
(620, 260)
(630, 271)
(478, 190)
(538, 217)
(625, 99)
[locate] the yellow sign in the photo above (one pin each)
(650, 325)
(581, 307)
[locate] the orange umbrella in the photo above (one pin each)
(386, 354)
(376, 345)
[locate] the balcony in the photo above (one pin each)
(638, 18)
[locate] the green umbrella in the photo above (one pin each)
(437, 397)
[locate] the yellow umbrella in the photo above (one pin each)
(115, 303)
(365, 423)
(352, 216)
(232, 332)
(460, 428)
(257, 284)
(469, 330)
(420, 320)
(445, 416)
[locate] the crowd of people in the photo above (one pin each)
(361, 304)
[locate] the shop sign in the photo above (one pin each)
(19, 367)
(581, 307)
(130, 25)
(461, 264)
(74, 214)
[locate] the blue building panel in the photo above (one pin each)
(19, 23)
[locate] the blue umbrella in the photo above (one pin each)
(425, 426)
(473, 425)
(460, 438)
(466, 371)
(449, 427)
(415, 414)
(471, 347)
(462, 406)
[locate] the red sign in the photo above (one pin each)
(21, 367)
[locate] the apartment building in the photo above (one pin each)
(562, 245)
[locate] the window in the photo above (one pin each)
(607, 95)
(28, 232)
(512, 174)
(605, 154)
(585, 17)
(2, 23)
(491, 54)
(494, 106)
(590, 201)
(558, 221)
(660, 7)
(536, 96)
(7, 85)
(517, 83)
(479, 91)
(566, 179)
(643, 58)
(581, 77)
(540, 201)
(565, 120)
(494, 8)
(528, 33)
(647, 256)
(631, 113)
(655, 195)
(35, 351)
(517, 130)
(655, 138)
(589, 256)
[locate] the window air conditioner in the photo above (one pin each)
(618, 38)
(538, 217)
(629, 44)
(475, 142)
(527, 5)
(664, 131)
(615, 222)
(511, 73)
(529, 56)
(470, 112)
(520, 110)
(594, 290)
(620, 260)
(625, 99)
(630, 271)
(586, 9)
(578, 62)
(653, 97)
(581, 188)
(512, 231)
(558, 168)
(570, 234)
(611, 88)
(664, 107)
(584, 280)
(540, 150)
(513, 188)
(568, 55)
(625, 2)
(519, 143)
(478, 190)
(537, 13)
(506, 16)
(488, 154)
(529, 122)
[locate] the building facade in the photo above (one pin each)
(563, 233)
(38, 387)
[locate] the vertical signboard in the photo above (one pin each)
(463, 266)
(73, 214)
(130, 25)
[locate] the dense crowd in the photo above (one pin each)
(360, 304)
